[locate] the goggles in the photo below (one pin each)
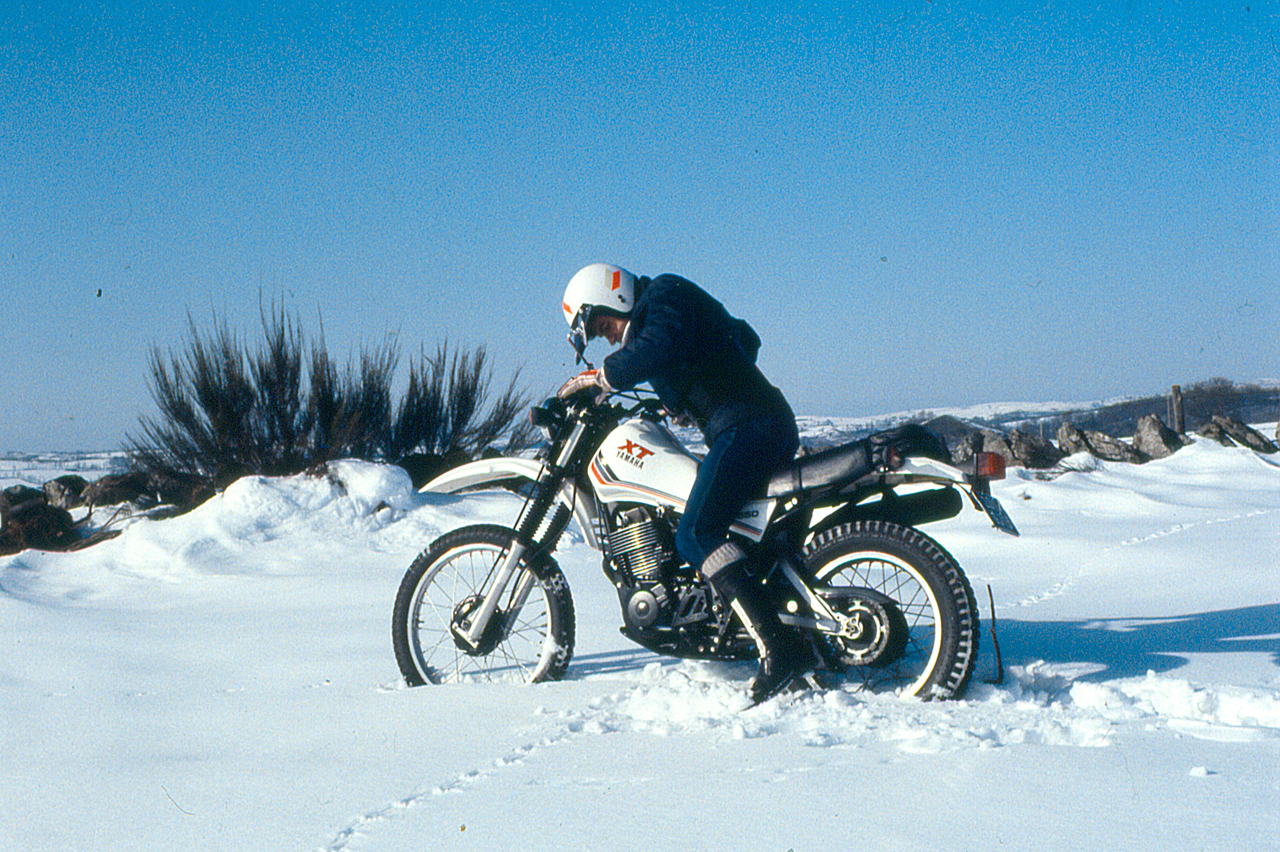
(579, 335)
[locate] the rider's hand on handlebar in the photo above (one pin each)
(587, 380)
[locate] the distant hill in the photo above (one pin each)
(1200, 402)
(1251, 403)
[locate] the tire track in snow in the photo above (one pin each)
(1063, 586)
(460, 783)
(1040, 705)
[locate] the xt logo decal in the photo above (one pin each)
(634, 454)
(634, 449)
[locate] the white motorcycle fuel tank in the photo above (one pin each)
(642, 462)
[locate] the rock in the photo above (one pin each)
(186, 491)
(1215, 432)
(1072, 440)
(958, 435)
(994, 442)
(36, 524)
(1017, 447)
(1020, 449)
(964, 447)
(64, 492)
(113, 489)
(1108, 448)
(1156, 440)
(1032, 451)
(15, 497)
(1244, 435)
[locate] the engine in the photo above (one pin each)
(641, 547)
(658, 594)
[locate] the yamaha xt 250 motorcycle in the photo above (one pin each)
(834, 540)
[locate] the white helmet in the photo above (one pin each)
(598, 288)
(605, 287)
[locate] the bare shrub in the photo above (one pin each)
(227, 410)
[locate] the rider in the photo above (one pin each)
(701, 363)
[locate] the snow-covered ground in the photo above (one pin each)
(225, 680)
(35, 469)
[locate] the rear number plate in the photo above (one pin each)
(996, 513)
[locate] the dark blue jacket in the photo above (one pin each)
(698, 359)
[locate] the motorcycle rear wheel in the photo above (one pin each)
(928, 587)
(446, 582)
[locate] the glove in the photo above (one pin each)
(584, 381)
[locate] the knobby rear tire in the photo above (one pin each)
(456, 568)
(927, 584)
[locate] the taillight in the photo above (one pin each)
(989, 465)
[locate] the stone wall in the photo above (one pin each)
(1152, 440)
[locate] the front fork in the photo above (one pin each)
(477, 624)
(545, 493)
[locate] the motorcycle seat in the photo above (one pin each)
(820, 470)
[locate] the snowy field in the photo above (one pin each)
(225, 680)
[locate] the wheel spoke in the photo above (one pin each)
(897, 581)
(447, 583)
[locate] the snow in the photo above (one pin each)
(225, 680)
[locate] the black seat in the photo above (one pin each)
(819, 470)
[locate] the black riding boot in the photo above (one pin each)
(783, 655)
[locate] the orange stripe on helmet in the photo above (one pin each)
(617, 279)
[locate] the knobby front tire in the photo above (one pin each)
(929, 588)
(532, 645)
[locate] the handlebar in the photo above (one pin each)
(552, 410)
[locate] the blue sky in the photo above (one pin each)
(917, 204)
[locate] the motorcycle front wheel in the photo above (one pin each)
(931, 600)
(530, 636)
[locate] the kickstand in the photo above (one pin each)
(995, 642)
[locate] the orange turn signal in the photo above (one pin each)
(989, 465)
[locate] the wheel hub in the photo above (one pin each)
(874, 631)
(461, 622)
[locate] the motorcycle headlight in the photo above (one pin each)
(547, 415)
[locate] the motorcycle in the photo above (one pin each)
(834, 540)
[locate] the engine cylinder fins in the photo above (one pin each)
(637, 546)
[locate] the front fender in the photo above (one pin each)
(499, 472)
(482, 473)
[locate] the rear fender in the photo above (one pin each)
(919, 507)
(908, 510)
(501, 472)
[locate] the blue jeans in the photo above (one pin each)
(738, 464)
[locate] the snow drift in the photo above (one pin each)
(225, 680)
